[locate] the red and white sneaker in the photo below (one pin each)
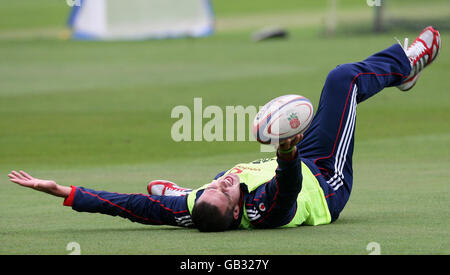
(166, 188)
(421, 53)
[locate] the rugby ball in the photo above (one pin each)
(282, 118)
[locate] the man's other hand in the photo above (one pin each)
(48, 186)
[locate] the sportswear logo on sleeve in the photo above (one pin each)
(184, 221)
(253, 214)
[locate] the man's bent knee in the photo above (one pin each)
(344, 73)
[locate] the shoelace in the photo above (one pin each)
(414, 50)
(405, 43)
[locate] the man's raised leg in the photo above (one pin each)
(329, 140)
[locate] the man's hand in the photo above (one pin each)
(47, 186)
(290, 142)
(287, 148)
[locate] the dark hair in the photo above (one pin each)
(208, 218)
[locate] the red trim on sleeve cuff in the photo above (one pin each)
(69, 200)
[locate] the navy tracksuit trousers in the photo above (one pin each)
(329, 140)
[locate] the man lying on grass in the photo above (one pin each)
(307, 183)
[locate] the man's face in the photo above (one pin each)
(224, 193)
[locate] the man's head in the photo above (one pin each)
(218, 206)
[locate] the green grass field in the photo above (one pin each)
(98, 115)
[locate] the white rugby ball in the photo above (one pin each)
(282, 118)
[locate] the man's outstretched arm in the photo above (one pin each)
(145, 209)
